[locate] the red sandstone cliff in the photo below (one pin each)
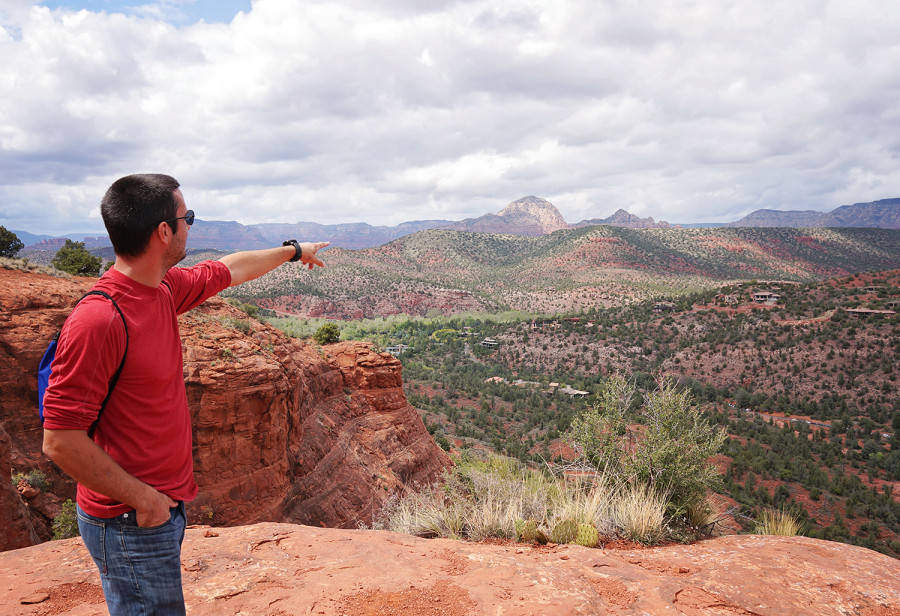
(284, 431)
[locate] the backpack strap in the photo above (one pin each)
(115, 377)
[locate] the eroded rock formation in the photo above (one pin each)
(284, 431)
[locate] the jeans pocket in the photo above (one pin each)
(130, 524)
(93, 534)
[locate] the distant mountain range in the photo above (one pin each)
(529, 216)
(884, 214)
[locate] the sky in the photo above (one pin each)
(385, 111)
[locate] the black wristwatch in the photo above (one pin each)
(297, 248)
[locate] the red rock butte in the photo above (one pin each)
(284, 431)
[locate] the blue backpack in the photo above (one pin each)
(46, 365)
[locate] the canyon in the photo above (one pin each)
(284, 430)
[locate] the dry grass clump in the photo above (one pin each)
(780, 523)
(24, 265)
(484, 497)
(640, 514)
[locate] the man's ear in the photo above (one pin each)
(163, 232)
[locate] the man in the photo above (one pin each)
(135, 471)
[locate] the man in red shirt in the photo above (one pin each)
(135, 470)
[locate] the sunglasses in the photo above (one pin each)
(188, 218)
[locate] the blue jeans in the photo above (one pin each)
(140, 568)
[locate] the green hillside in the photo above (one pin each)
(572, 269)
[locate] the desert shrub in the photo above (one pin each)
(35, 478)
(496, 496)
(65, 525)
(73, 258)
(669, 455)
(242, 325)
(10, 244)
(251, 310)
(327, 334)
(478, 498)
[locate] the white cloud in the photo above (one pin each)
(385, 111)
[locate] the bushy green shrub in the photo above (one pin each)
(328, 334)
(73, 258)
(65, 525)
(10, 244)
(35, 478)
(669, 455)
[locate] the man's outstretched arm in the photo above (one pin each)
(251, 264)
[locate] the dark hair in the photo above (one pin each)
(134, 206)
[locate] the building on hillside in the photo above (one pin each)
(489, 343)
(766, 297)
(663, 307)
(575, 393)
(861, 313)
(523, 383)
(495, 379)
(396, 349)
(873, 288)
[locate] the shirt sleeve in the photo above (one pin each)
(191, 286)
(88, 353)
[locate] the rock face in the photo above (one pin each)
(283, 570)
(527, 216)
(18, 530)
(532, 208)
(621, 218)
(283, 431)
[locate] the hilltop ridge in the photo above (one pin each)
(570, 269)
(883, 214)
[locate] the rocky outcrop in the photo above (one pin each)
(776, 218)
(284, 431)
(621, 218)
(527, 216)
(18, 530)
(282, 569)
(533, 208)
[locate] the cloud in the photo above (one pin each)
(385, 111)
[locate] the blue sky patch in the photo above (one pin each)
(180, 12)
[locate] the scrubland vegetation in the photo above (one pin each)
(644, 487)
(442, 272)
(806, 395)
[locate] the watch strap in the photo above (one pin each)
(299, 252)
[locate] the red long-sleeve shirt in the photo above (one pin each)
(146, 425)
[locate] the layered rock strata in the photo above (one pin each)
(284, 431)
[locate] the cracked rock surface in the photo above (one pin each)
(286, 569)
